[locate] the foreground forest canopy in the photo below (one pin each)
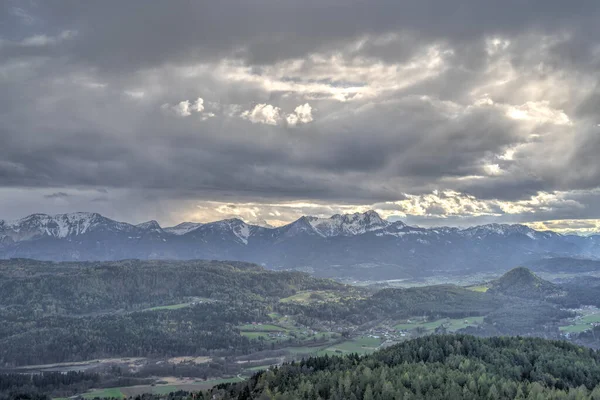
(435, 367)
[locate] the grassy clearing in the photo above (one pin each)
(361, 345)
(256, 335)
(588, 319)
(575, 328)
(581, 324)
(166, 389)
(169, 307)
(259, 368)
(261, 328)
(224, 380)
(104, 393)
(316, 296)
(451, 325)
(124, 392)
(305, 349)
(478, 288)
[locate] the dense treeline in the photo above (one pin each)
(80, 311)
(581, 291)
(204, 329)
(58, 384)
(40, 288)
(523, 317)
(589, 338)
(434, 301)
(435, 367)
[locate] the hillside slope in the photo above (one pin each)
(521, 282)
(435, 367)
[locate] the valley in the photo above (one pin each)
(161, 326)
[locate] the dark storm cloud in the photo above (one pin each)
(138, 34)
(57, 195)
(83, 89)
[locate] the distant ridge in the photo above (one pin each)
(357, 246)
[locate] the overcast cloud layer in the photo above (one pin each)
(448, 112)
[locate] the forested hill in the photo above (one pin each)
(435, 367)
(46, 288)
(57, 312)
(521, 282)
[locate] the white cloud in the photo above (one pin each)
(492, 170)
(263, 114)
(301, 115)
(538, 112)
(333, 75)
(496, 45)
(184, 108)
(208, 115)
(304, 113)
(199, 104)
(292, 119)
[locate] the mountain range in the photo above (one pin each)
(360, 245)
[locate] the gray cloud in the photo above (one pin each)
(495, 101)
(56, 195)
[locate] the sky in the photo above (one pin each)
(455, 112)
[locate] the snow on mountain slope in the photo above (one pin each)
(183, 228)
(483, 231)
(336, 246)
(75, 224)
(59, 226)
(348, 224)
(150, 226)
(225, 228)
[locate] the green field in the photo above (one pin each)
(261, 328)
(256, 335)
(104, 393)
(219, 381)
(258, 368)
(124, 392)
(169, 307)
(305, 349)
(575, 328)
(316, 296)
(582, 324)
(478, 288)
(451, 324)
(361, 345)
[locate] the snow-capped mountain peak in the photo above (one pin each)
(183, 228)
(348, 224)
(150, 226)
(239, 228)
(346, 242)
(59, 226)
